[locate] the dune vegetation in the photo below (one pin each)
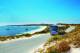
(62, 42)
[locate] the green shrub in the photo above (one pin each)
(54, 38)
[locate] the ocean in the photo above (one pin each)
(13, 30)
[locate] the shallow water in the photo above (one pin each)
(13, 30)
(24, 46)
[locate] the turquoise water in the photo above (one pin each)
(13, 30)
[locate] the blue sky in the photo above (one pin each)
(39, 11)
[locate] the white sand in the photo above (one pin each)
(74, 50)
(37, 30)
(24, 46)
(71, 28)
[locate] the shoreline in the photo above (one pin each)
(23, 38)
(27, 37)
(37, 30)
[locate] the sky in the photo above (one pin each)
(39, 11)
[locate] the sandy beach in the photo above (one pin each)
(37, 30)
(23, 38)
(24, 45)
